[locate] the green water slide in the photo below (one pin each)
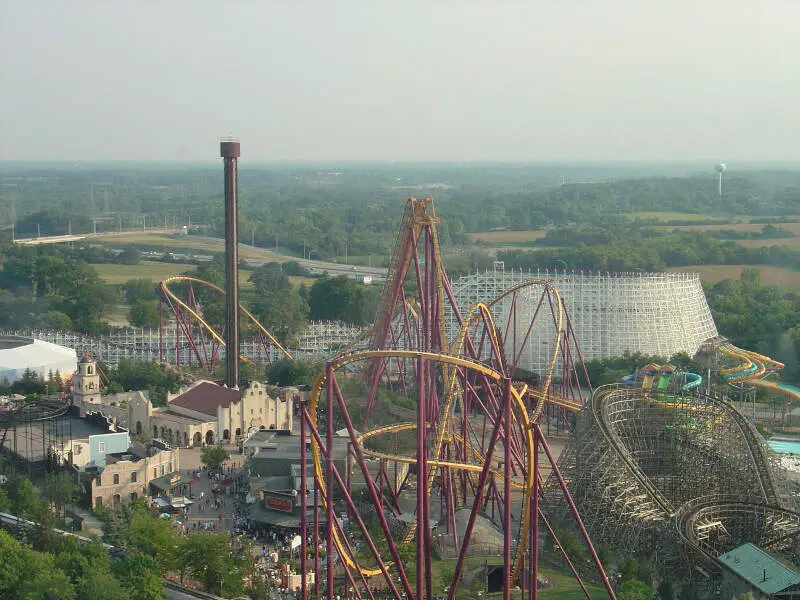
(664, 380)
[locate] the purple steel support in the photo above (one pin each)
(557, 544)
(534, 534)
(303, 516)
(421, 480)
(230, 152)
(373, 493)
(316, 538)
(539, 438)
(507, 490)
(330, 516)
(476, 505)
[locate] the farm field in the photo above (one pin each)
(769, 275)
(509, 237)
(671, 216)
(750, 227)
(154, 271)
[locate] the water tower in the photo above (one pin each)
(720, 168)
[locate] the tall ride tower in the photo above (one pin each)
(230, 152)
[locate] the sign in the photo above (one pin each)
(175, 478)
(295, 542)
(278, 503)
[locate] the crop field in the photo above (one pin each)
(749, 227)
(154, 271)
(509, 237)
(669, 216)
(769, 275)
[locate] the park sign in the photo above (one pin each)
(278, 501)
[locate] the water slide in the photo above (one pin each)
(752, 368)
(691, 381)
(661, 381)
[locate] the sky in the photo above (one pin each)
(447, 80)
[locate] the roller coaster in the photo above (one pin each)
(683, 477)
(476, 448)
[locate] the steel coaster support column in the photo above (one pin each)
(330, 515)
(507, 490)
(423, 558)
(476, 505)
(373, 493)
(557, 543)
(316, 539)
(303, 516)
(534, 536)
(539, 439)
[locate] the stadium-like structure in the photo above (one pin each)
(658, 314)
(19, 354)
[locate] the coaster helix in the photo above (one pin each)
(448, 467)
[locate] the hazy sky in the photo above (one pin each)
(400, 80)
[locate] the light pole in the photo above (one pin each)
(563, 262)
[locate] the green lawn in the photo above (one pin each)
(154, 271)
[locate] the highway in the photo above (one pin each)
(253, 256)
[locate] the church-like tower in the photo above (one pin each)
(86, 385)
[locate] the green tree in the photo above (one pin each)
(633, 589)
(140, 575)
(139, 290)
(144, 313)
(208, 557)
(664, 590)
(213, 457)
(290, 372)
(339, 298)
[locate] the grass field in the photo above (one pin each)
(769, 275)
(509, 237)
(154, 271)
(202, 245)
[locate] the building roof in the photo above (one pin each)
(759, 569)
(205, 397)
(19, 354)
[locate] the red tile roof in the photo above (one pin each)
(205, 397)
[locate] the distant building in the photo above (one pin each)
(750, 569)
(140, 471)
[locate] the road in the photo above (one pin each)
(253, 256)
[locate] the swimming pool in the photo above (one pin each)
(785, 446)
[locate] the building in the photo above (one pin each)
(658, 314)
(199, 414)
(138, 472)
(92, 439)
(205, 413)
(749, 569)
(272, 460)
(18, 354)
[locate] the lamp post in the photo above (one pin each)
(563, 262)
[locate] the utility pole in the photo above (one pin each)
(276, 242)
(38, 231)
